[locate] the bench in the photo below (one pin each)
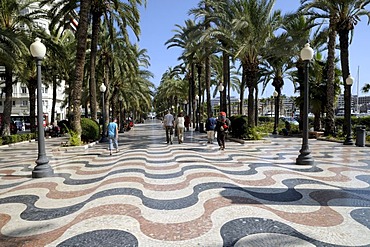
(315, 134)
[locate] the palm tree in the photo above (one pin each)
(12, 49)
(254, 23)
(220, 34)
(81, 37)
(116, 13)
(204, 12)
(342, 16)
(186, 38)
(278, 56)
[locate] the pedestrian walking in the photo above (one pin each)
(113, 135)
(222, 128)
(210, 128)
(168, 122)
(187, 122)
(180, 127)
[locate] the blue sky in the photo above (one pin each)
(159, 18)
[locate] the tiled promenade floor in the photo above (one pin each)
(190, 194)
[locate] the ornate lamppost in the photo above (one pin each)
(120, 115)
(221, 89)
(197, 113)
(42, 168)
(305, 157)
(185, 107)
(103, 134)
(347, 109)
(239, 108)
(276, 118)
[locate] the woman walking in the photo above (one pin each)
(180, 126)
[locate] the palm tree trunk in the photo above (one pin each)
(8, 101)
(94, 47)
(256, 110)
(329, 121)
(208, 84)
(54, 101)
(300, 70)
(80, 63)
(32, 86)
(199, 73)
(344, 55)
(107, 93)
(251, 81)
(227, 101)
(193, 91)
(243, 83)
(226, 71)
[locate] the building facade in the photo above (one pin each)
(20, 96)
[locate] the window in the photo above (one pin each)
(24, 90)
(44, 90)
(24, 103)
(13, 103)
(1, 103)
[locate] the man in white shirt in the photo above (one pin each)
(168, 123)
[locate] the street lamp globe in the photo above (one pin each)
(349, 80)
(38, 49)
(275, 94)
(307, 52)
(197, 97)
(220, 87)
(347, 109)
(102, 88)
(185, 102)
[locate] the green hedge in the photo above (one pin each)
(90, 130)
(17, 138)
(240, 129)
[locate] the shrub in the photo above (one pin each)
(10, 139)
(239, 126)
(90, 130)
(74, 139)
(266, 119)
(64, 126)
(241, 130)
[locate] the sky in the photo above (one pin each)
(159, 18)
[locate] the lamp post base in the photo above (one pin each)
(305, 158)
(274, 132)
(348, 141)
(42, 169)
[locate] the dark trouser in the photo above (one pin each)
(169, 134)
(221, 138)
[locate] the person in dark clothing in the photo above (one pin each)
(222, 128)
(210, 128)
(187, 122)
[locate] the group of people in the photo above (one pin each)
(170, 124)
(215, 127)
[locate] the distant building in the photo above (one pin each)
(20, 97)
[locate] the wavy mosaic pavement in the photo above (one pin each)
(190, 194)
